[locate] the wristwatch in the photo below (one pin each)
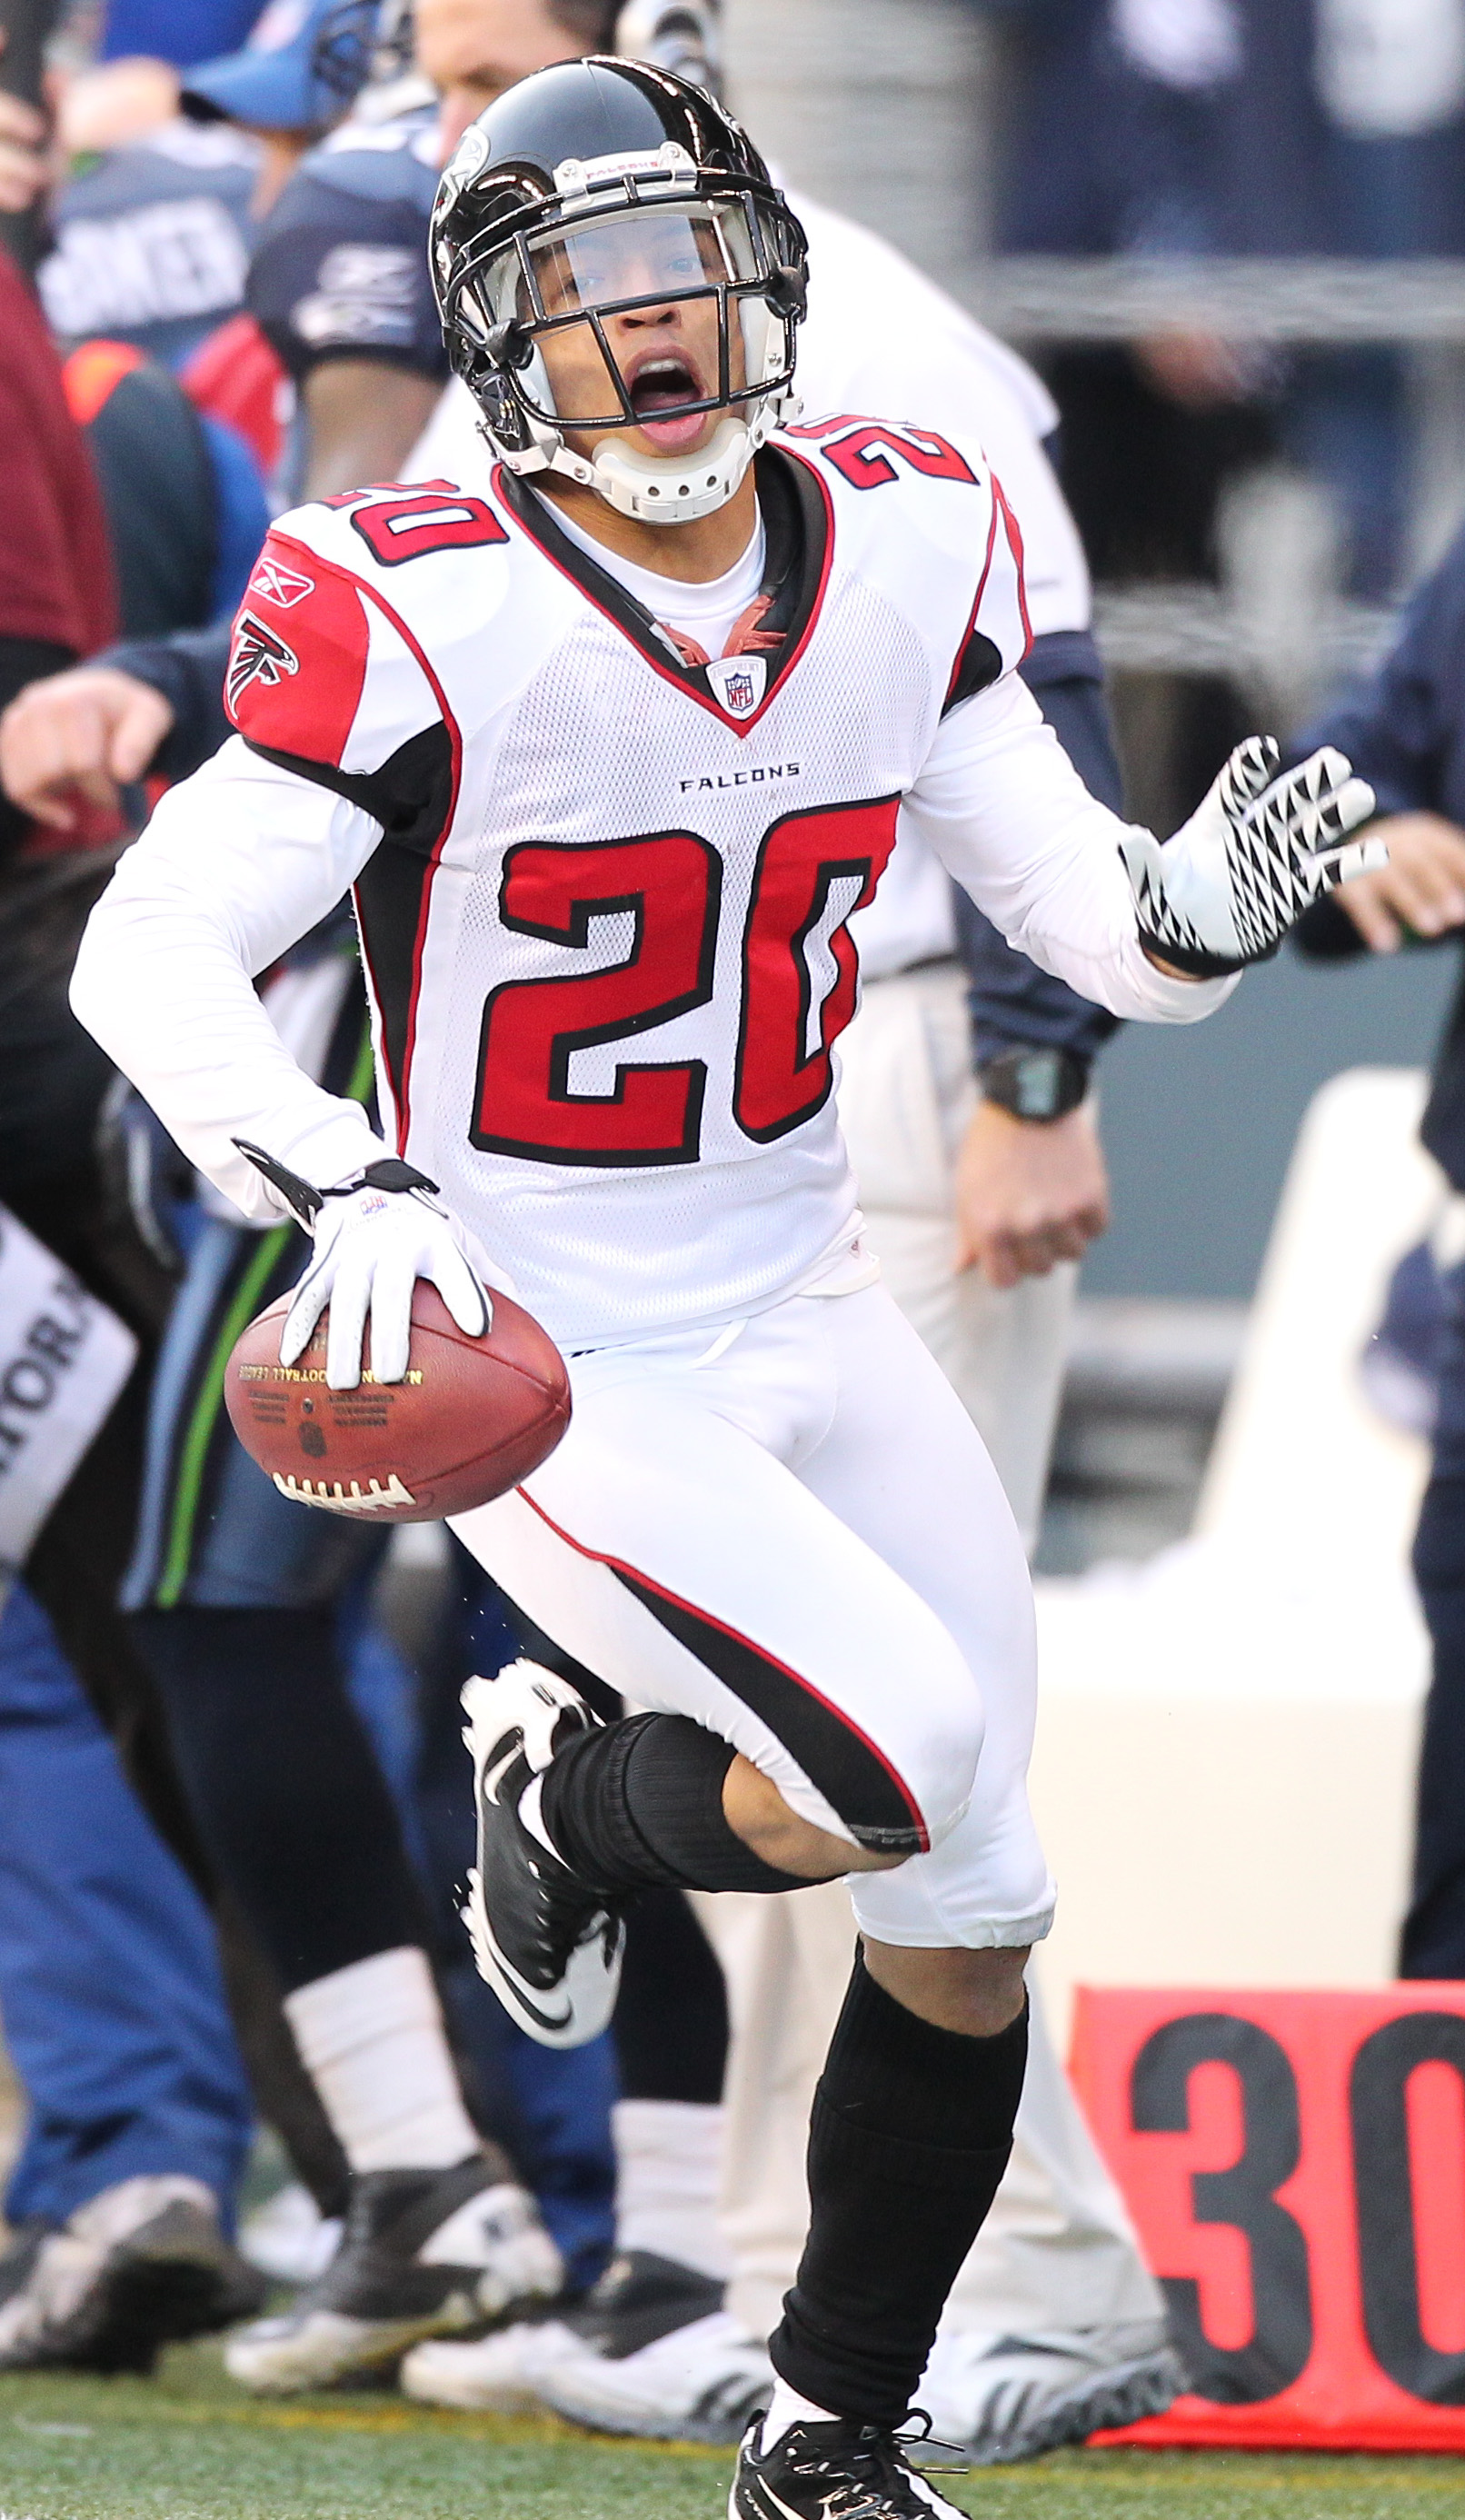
(1035, 1084)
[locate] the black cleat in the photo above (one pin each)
(423, 2253)
(833, 2471)
(139, 2265)
(548, 1944)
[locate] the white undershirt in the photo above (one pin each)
(706, 612)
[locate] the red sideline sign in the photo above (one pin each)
(1296, 2166)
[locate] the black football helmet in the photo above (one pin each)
(598, 189)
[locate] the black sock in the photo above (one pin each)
(909, 2136)
(638, 1805)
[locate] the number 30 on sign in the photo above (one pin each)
(1295, 2167)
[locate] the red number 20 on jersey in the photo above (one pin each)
(814, 870)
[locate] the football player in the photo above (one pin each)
(1057, 2327)
(611, 758)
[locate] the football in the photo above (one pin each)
(474, 1416)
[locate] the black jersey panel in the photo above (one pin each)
(391, 900)
(852, 1776)
(977, 668)
(411, 795)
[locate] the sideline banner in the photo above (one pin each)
(64, 1359)
(1295, 2167)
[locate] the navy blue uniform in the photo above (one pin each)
(152, 246)
(1015, 1005)
(340, 268)
(1405, 731)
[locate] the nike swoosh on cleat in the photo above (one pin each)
(546, 2020)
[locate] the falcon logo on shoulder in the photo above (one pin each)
(258, 655)
(280, 585)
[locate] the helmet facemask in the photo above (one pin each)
(602, 328)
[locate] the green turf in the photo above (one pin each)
(187, 2446)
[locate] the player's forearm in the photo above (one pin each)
(231, 871)
(1008, 814)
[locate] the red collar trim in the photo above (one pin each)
(661, 663)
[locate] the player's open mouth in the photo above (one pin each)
(665, 385)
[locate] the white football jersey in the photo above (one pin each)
(604, 889)
(605, 937)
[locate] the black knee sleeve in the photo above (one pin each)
(638, 1805)
(909, 2136)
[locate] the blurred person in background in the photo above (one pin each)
(186, 507)
(1238, 127)
(177, 563)
(56, 1176)
(1408, 725)
(1074, 2332)
(153, 243)
(161, 185)
(138, 2113)
(1144, 456)
(338, 279)
(1304, 127)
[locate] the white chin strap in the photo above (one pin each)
(662, 489)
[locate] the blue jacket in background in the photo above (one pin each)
(1404, 731)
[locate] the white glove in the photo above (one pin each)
(375, 1235)
(1255, 853)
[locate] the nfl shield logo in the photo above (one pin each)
(739, 683)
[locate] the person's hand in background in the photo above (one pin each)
(1421, 891)
(74, 739)
(1029, 1192)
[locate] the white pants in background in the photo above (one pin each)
(1058, 2249)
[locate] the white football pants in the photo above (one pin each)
(1058, 2249)
(789, 1530)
